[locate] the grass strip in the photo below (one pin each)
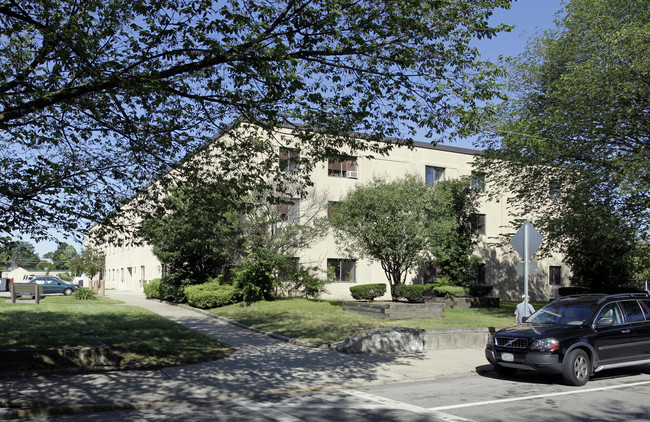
(324, 321)
(140, 337)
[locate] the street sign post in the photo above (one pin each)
(526, 242)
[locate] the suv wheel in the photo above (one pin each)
(576, 368)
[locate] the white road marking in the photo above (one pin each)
(266, 410)
(539, 396)
(393, 404)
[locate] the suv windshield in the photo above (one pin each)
(563, 313)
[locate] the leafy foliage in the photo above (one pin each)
(104, 96)
(196, 230)
(84, 293)
(368, 292)
(62, 256)
(412, 292)
(211, 295)
(574, 143)
(450, 291)
(404, 224)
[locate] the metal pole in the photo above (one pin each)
(526, 258)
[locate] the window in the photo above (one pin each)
(478, 182)
(480, 274)
(555, 276)
(344, 269)
(342, 167)
(633, 311)
(289, 210)
(554, 190)
(142, 272)
(433, 175)
(331, 209)
(289, 159)
(428, 274)
(480, 224)
(612, 311)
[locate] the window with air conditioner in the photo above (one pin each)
(342, 167)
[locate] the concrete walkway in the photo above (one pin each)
(261, 365)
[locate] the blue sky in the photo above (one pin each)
(529, 17)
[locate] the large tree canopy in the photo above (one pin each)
(98, 98)
(582, 113)
(405, 224)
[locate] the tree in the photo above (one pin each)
(274, 232)
(98, 98)
(454, 254)
(93, 261)
(61, 256)
(197, 231)
(575, 138)
(23, 255)
(402, 224)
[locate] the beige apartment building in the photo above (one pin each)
(131, 267)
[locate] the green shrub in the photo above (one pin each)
(152, 289)
(479, 290)
(368, 291)
(450, 291)
(412, 292)
(84, 293)
(211, 295)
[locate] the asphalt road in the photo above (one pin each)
(610, 396)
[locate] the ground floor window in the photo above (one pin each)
(343, 269)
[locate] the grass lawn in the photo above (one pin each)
(325, 322)
(139, 336)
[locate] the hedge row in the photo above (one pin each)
(368, 292)
(211, 295)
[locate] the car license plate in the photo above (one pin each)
(507, 357)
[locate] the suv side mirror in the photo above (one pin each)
(524, 319)
(604, 323)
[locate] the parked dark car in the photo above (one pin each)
(54, 285)
(576, 336)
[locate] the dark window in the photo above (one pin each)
(344, 269)
(555, 276)
(428, 274)
(633, 311)
(433, 175)
(342, 167)
(480, 274)
(480, 224)
(289, 159)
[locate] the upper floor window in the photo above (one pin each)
(478, 182)
(289, 159)
(289, 210)
(433, 175)
(342, 167)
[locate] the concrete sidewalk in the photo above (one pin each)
(261, 365)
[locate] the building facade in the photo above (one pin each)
(131, 267)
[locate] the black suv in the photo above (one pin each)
(576, 336)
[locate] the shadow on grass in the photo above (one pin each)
(139, 337)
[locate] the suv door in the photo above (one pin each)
(612, 341)
(635, 313)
